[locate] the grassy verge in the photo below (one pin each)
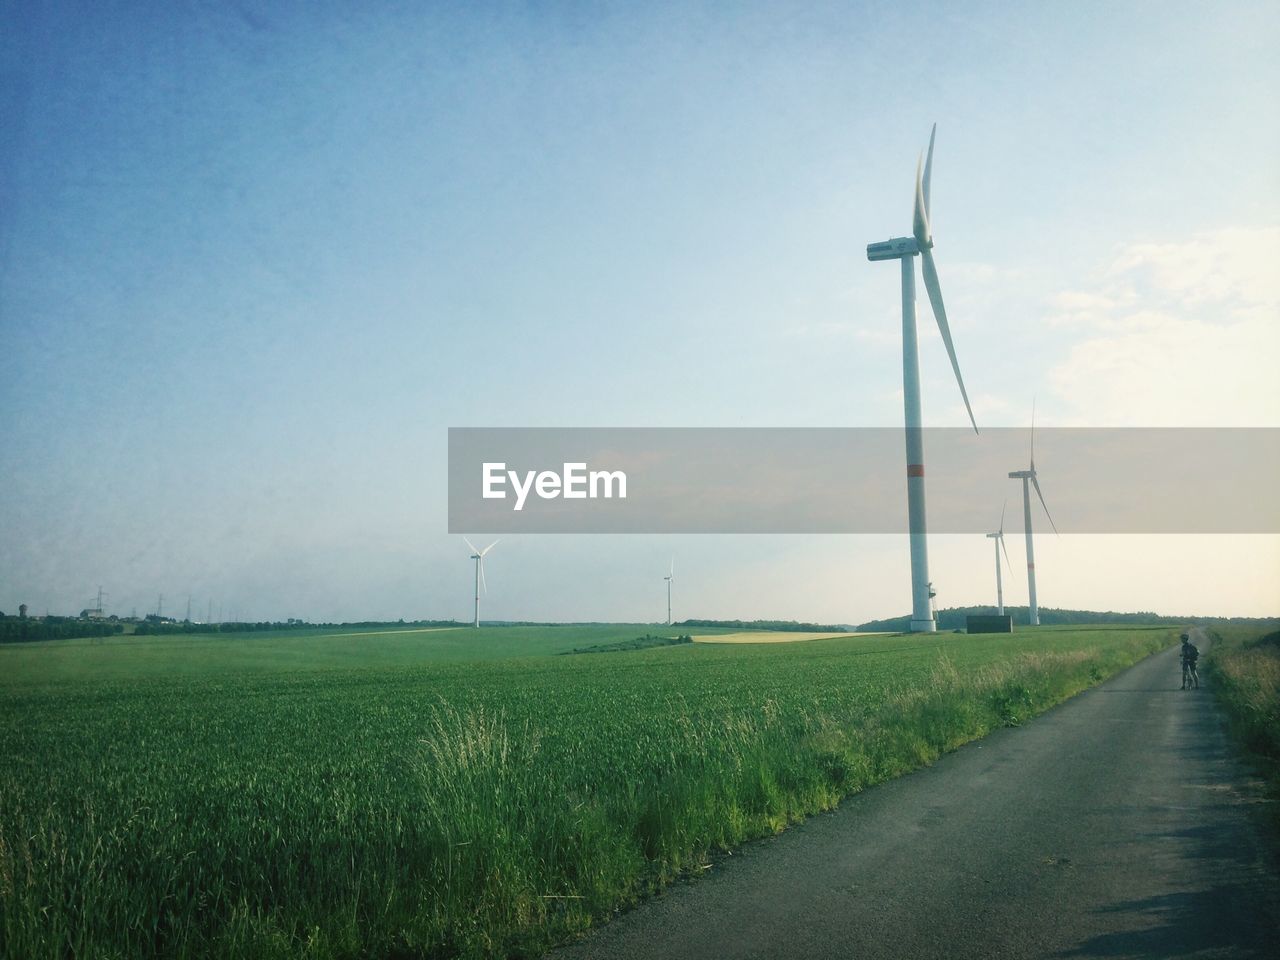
(463, 809)
(1244, 664)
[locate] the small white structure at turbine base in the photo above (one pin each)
(906, 249)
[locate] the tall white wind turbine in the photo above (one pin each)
(670, 578)
(998, 537)
(906, 249)
(478, 557)
(1028, 478)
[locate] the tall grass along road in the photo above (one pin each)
(1244, 670)
(1117, 825)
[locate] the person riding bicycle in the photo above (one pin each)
(1190, 654)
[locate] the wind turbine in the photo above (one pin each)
(478, 557)
(1028, 478)
(998, 537)
(669, 578)
(905, 249)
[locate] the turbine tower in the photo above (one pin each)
(478, 557)
(906, 249)
(1028, 478)
(998, 537)
(669, 578)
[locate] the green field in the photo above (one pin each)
(204, 655)
(453, 792)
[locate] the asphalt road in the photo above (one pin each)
(1119, 824)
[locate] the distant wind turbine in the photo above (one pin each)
(1028, 478)
(478, 557)
(906, 249)
(998, 537)
(670, 578)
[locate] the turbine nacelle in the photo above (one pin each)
(894, 249)
(1022, 475)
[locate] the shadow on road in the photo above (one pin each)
(1175, 925)
(1231, 904)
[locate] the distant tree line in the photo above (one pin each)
(29, 629)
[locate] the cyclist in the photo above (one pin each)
(1190, 654)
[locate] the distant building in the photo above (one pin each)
(22, 611)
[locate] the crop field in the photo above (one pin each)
(452, 793)
(203, 655)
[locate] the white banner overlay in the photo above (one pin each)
(829, 480)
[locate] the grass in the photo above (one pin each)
(765, 636)
(646, 642)
(1244, 663)
(404, 797)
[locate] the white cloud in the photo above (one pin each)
(1176, 334)
(1233, 266)
(1080, 308)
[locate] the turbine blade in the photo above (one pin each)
(920, 217)
(940, 314)
(1007, 562)
(483, 582)
(471, 545)
(490, 546)
(928, 173)
(1033, 433)
(1002, 510)
(1036, 484)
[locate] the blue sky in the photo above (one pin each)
(256, 259)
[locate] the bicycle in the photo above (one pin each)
(1190, 675)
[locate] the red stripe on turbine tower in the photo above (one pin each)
(915, 469)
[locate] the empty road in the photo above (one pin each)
(1119, 824)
